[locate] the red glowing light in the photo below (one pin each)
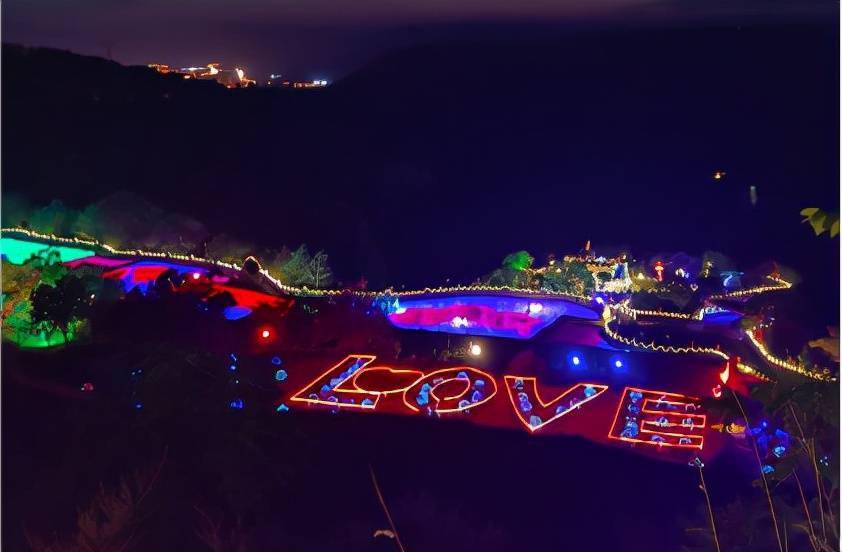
(265, 334)
(724, 374)
(659, 271)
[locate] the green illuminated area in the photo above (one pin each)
(20, 335)
(19, 251)
(26, 266)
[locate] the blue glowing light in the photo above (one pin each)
(766, 469)
(282, 408)
(277, 361)
(281, 375)
(535, 421)
(237, 404)
(618, 363)
(576, 361)
(630, 430)
(779, 451)
(138, 406)
(233, 367)
(235, 312)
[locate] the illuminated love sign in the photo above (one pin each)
(641, 416)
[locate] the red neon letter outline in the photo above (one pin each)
(347, 393)
(438, 382)
(572, 399)
(658, 418)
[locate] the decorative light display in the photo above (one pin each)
(526, 401)
(292, 290)
(658, 418)
(331, 385)
(450, 390)
(779, 284)
(668, 420)
(800, 369)
(659, 271)
(19, 251)
(652, 346)
(497, 316)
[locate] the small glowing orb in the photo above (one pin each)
(535, 308)
(459, 322)
(476, 350)
(575, 360)
(265, 334)
(618, 363)
(196, 275)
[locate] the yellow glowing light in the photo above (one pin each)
(825, 375)
(476, 350)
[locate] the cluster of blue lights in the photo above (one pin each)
(772, 443)
(631, 429)
(577, 361)
(327, 389)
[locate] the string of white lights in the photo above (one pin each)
(293, 290)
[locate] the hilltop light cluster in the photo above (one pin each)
(234, 78)
(230, 78)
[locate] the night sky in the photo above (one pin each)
(329, 38)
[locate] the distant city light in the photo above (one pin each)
(476, 350)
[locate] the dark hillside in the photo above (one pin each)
(442, 158)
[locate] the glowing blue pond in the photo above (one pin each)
(489, 315)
